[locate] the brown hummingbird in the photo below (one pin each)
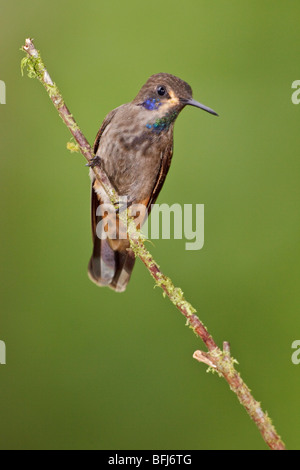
(134, 146)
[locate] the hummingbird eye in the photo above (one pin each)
(161, 90)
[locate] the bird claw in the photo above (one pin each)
(96, 161)
(122, 206)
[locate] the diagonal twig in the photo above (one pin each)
(217, 359)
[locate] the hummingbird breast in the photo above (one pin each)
(131, 151)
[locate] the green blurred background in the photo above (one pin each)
(91, 369)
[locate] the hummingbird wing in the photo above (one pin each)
(105, 123)
(108, 266)
(95, 199)
(166, 158)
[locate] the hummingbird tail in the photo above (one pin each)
(112, 260)
(110, 268)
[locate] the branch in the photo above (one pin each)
(218, 360)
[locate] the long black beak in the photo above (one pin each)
(195, 103)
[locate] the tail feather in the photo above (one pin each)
(109, 267)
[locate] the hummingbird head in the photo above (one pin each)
(167, 95)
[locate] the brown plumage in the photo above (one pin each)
(134, 146)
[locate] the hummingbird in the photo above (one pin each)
(134, 147)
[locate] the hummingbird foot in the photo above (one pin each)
(96, 161)
(122, 206)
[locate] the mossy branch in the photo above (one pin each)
(218, 360)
